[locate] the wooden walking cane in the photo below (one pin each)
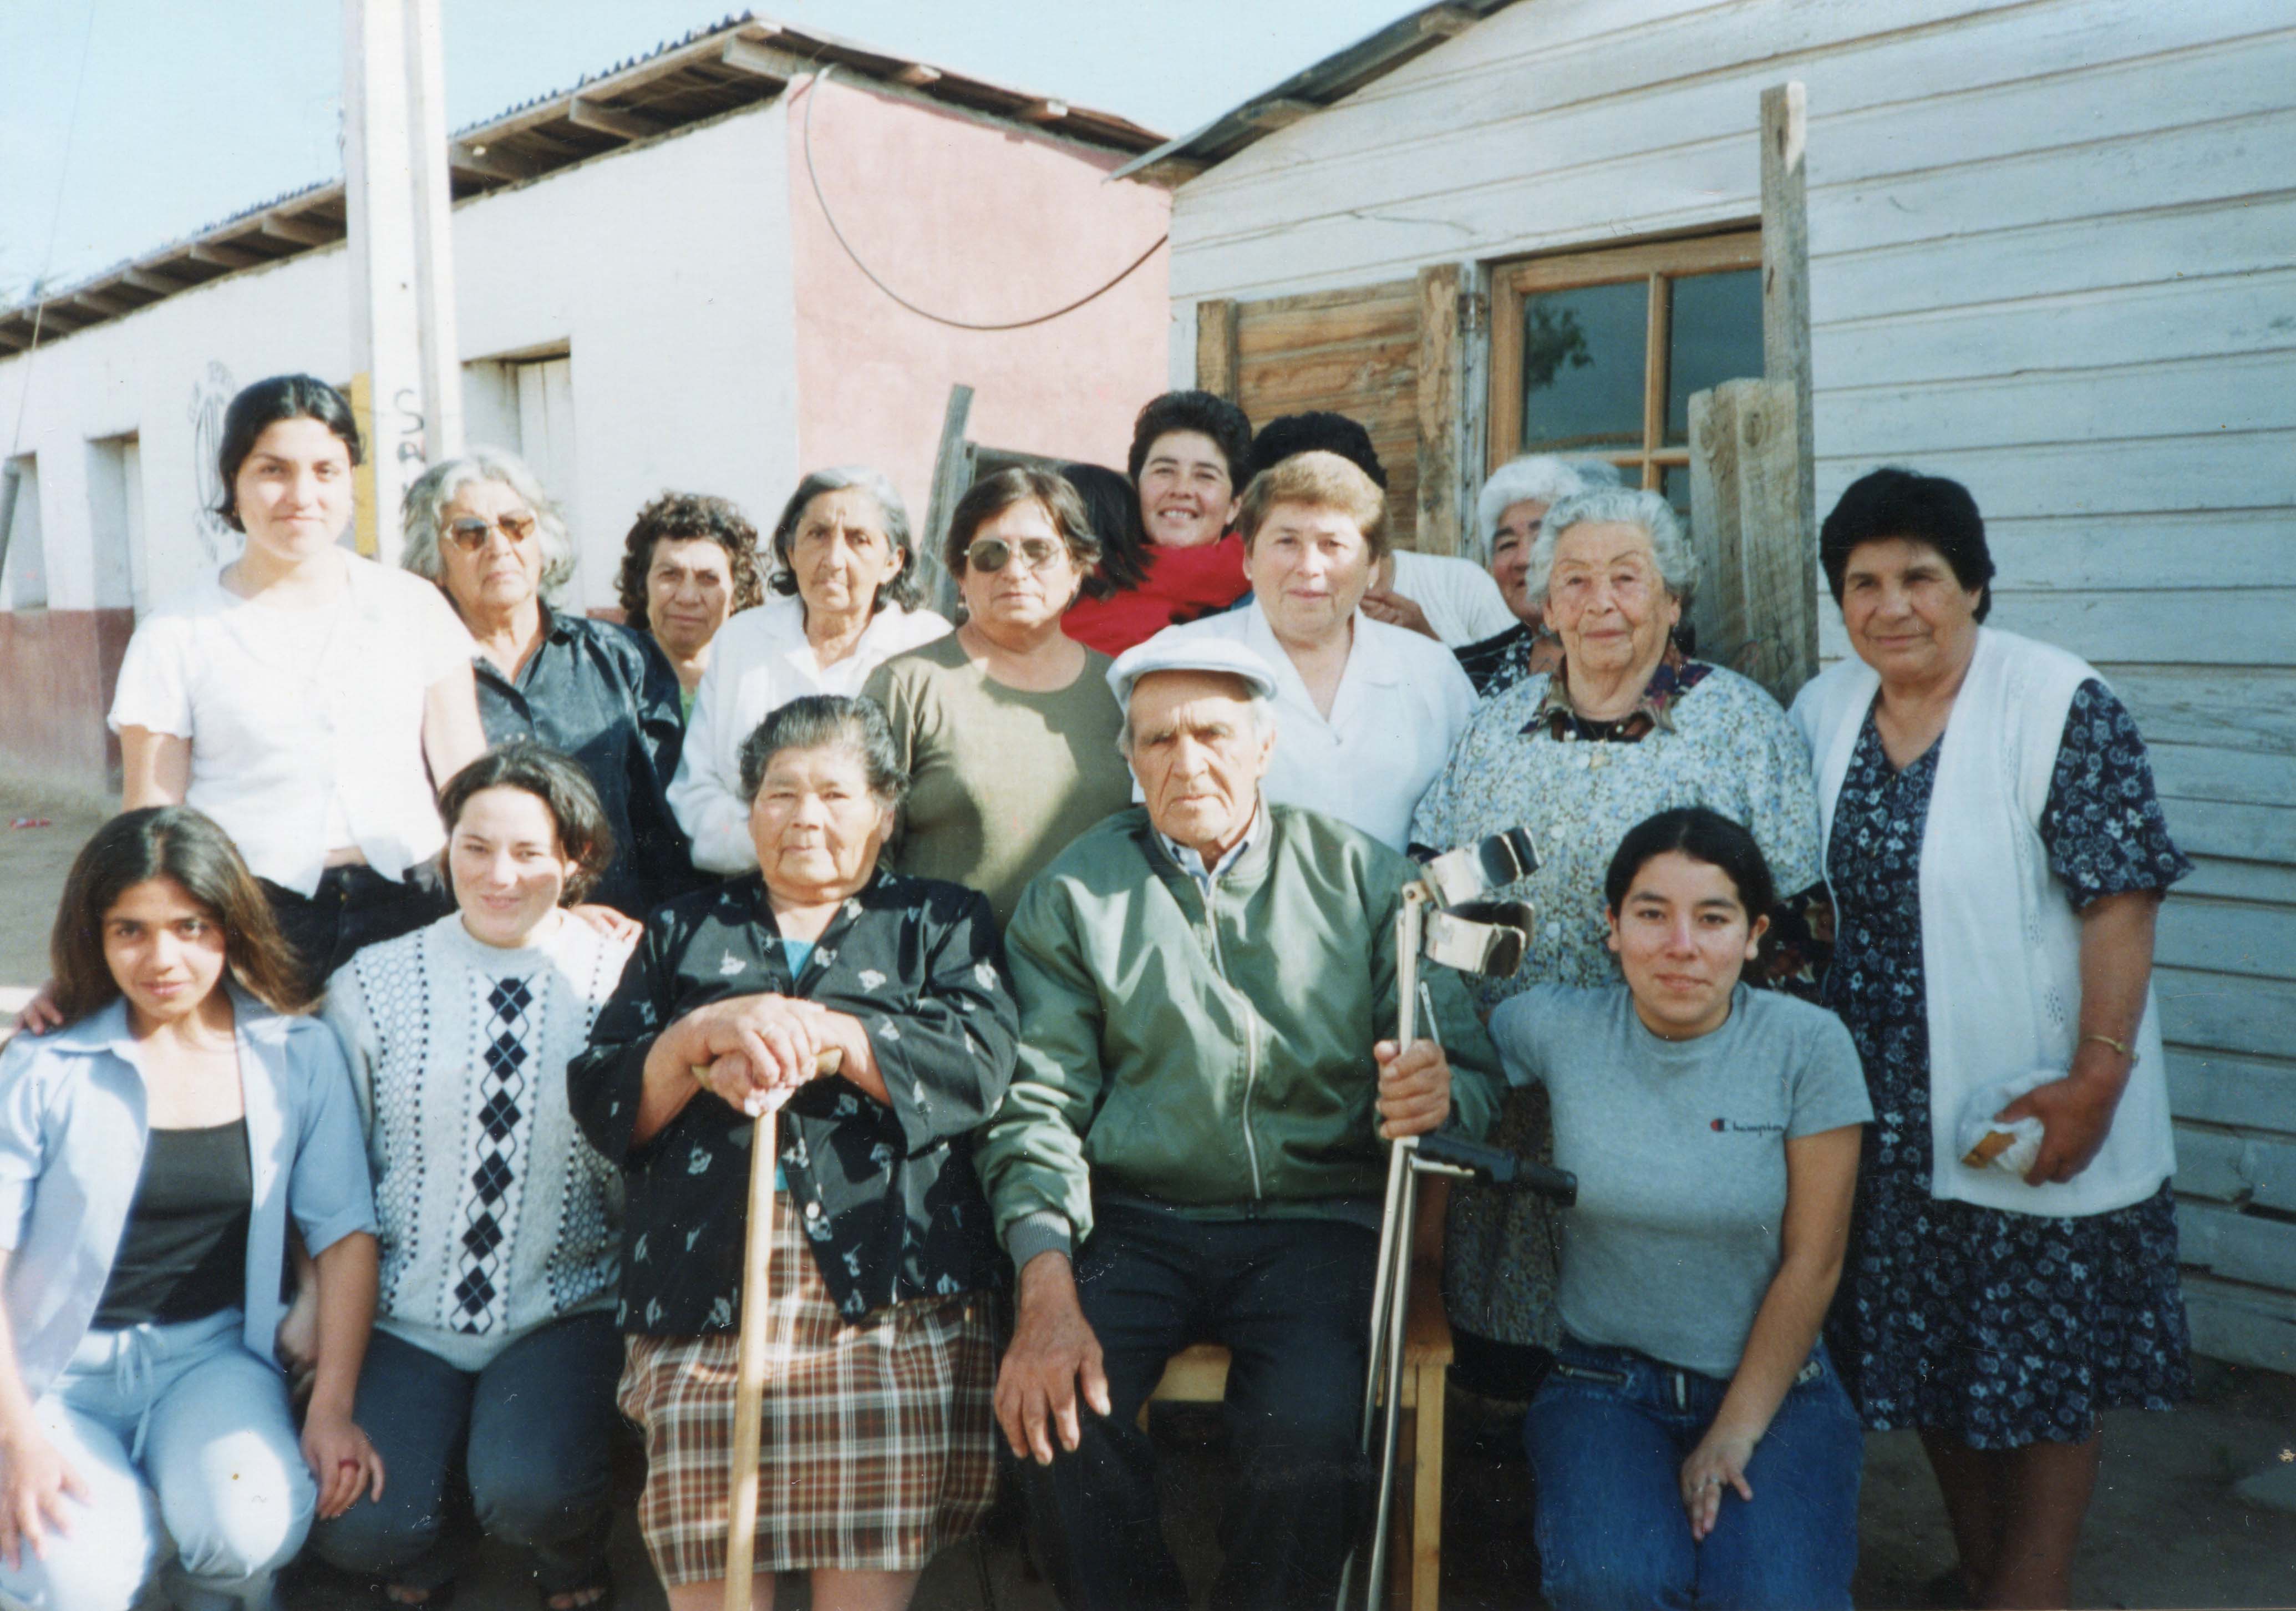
(749, 1360)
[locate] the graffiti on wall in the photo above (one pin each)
(211, 395)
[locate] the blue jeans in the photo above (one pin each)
(181, 1435)
(530, 1437)
(1608, 1434)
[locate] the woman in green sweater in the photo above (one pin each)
(1007, 727)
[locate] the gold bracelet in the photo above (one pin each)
(2119, 1046)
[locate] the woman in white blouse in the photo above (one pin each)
(1365, 714)
(844, 569)
(297, 695)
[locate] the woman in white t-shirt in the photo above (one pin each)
(1693, 1444)
(297, 695)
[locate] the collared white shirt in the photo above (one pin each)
(1402, 702)
(304, 726)
(758, 662)
(1457, 595)
(1191, 861)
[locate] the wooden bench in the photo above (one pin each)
(1199, 1376)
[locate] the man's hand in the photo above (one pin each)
(1052, 1351)
(1414, 1089)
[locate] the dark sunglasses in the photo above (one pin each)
(990, 554)
(469, 533)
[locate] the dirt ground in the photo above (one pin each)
(2166, 1529)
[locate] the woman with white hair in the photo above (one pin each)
(1626, 727)
(482, 528)
(1514, 500)
(845, 600)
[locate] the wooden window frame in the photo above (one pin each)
(1655, 263)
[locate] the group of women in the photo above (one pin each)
(754, 849)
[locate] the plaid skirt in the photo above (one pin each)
(877, 1447)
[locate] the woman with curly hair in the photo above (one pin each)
(689, 563)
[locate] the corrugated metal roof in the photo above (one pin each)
(743, 61)
(1309, 90)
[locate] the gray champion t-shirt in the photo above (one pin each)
(1679, 1148)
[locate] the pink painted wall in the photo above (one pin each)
(973, 221)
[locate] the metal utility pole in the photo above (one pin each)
(408, 388)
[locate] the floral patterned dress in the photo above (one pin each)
(1701, 735)
(1998, 1329)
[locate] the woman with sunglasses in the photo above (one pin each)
(1007, 727)
(481, 528)
(296, 695)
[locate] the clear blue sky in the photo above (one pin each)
(189, 112)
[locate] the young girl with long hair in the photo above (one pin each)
(153, 1153)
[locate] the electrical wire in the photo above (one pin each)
(55, 225)
(1043, 318)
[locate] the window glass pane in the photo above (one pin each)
(1582, 366)
(1715, 334)
(1675, 483)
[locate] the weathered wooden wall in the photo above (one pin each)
(2051, 249)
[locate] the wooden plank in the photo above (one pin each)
(2234, 880)
(2243, 1324)
(1780, 559)
(491, 161)
(2168, 551)
(290, 226)
(222, 254)
(764, 61)
(2240, 1170)
(1788, 554)
(2144, 248)
(1042, 110)
(1367, 373)
(917, 75)
(1718, 608)
(2218, 626)
(2204, 827)
(1216, 349)
(952, 476)
(1279, 112)
(2218, 1088)
(1371, 322)
(584, 112)
(2208, 317)
(2253, 470)
(2227, 937)
(2236, 1246)
(1404, 294)
(1440, 524)
(2241, 776)
(2242, 707)
(2251, 391)
(2253, 1017)
(1540, 89)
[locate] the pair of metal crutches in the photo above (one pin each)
(1444, 919)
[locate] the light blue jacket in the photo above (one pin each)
(72, 1131)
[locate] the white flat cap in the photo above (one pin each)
(1171, 651)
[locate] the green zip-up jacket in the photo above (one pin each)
(1213, 1056)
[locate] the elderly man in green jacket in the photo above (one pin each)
(1193, 1147)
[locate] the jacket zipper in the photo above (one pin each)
(1251, 1030)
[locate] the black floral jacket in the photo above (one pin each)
(887, 1195)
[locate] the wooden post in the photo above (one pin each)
(434, 246)
(1718, 612)
(1442, 358)
(1756, 610)
(952, 477)
(1785, 359)
(1217, 367)
(402, 293)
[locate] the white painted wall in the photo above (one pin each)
(2050, 255)
(660, 270)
